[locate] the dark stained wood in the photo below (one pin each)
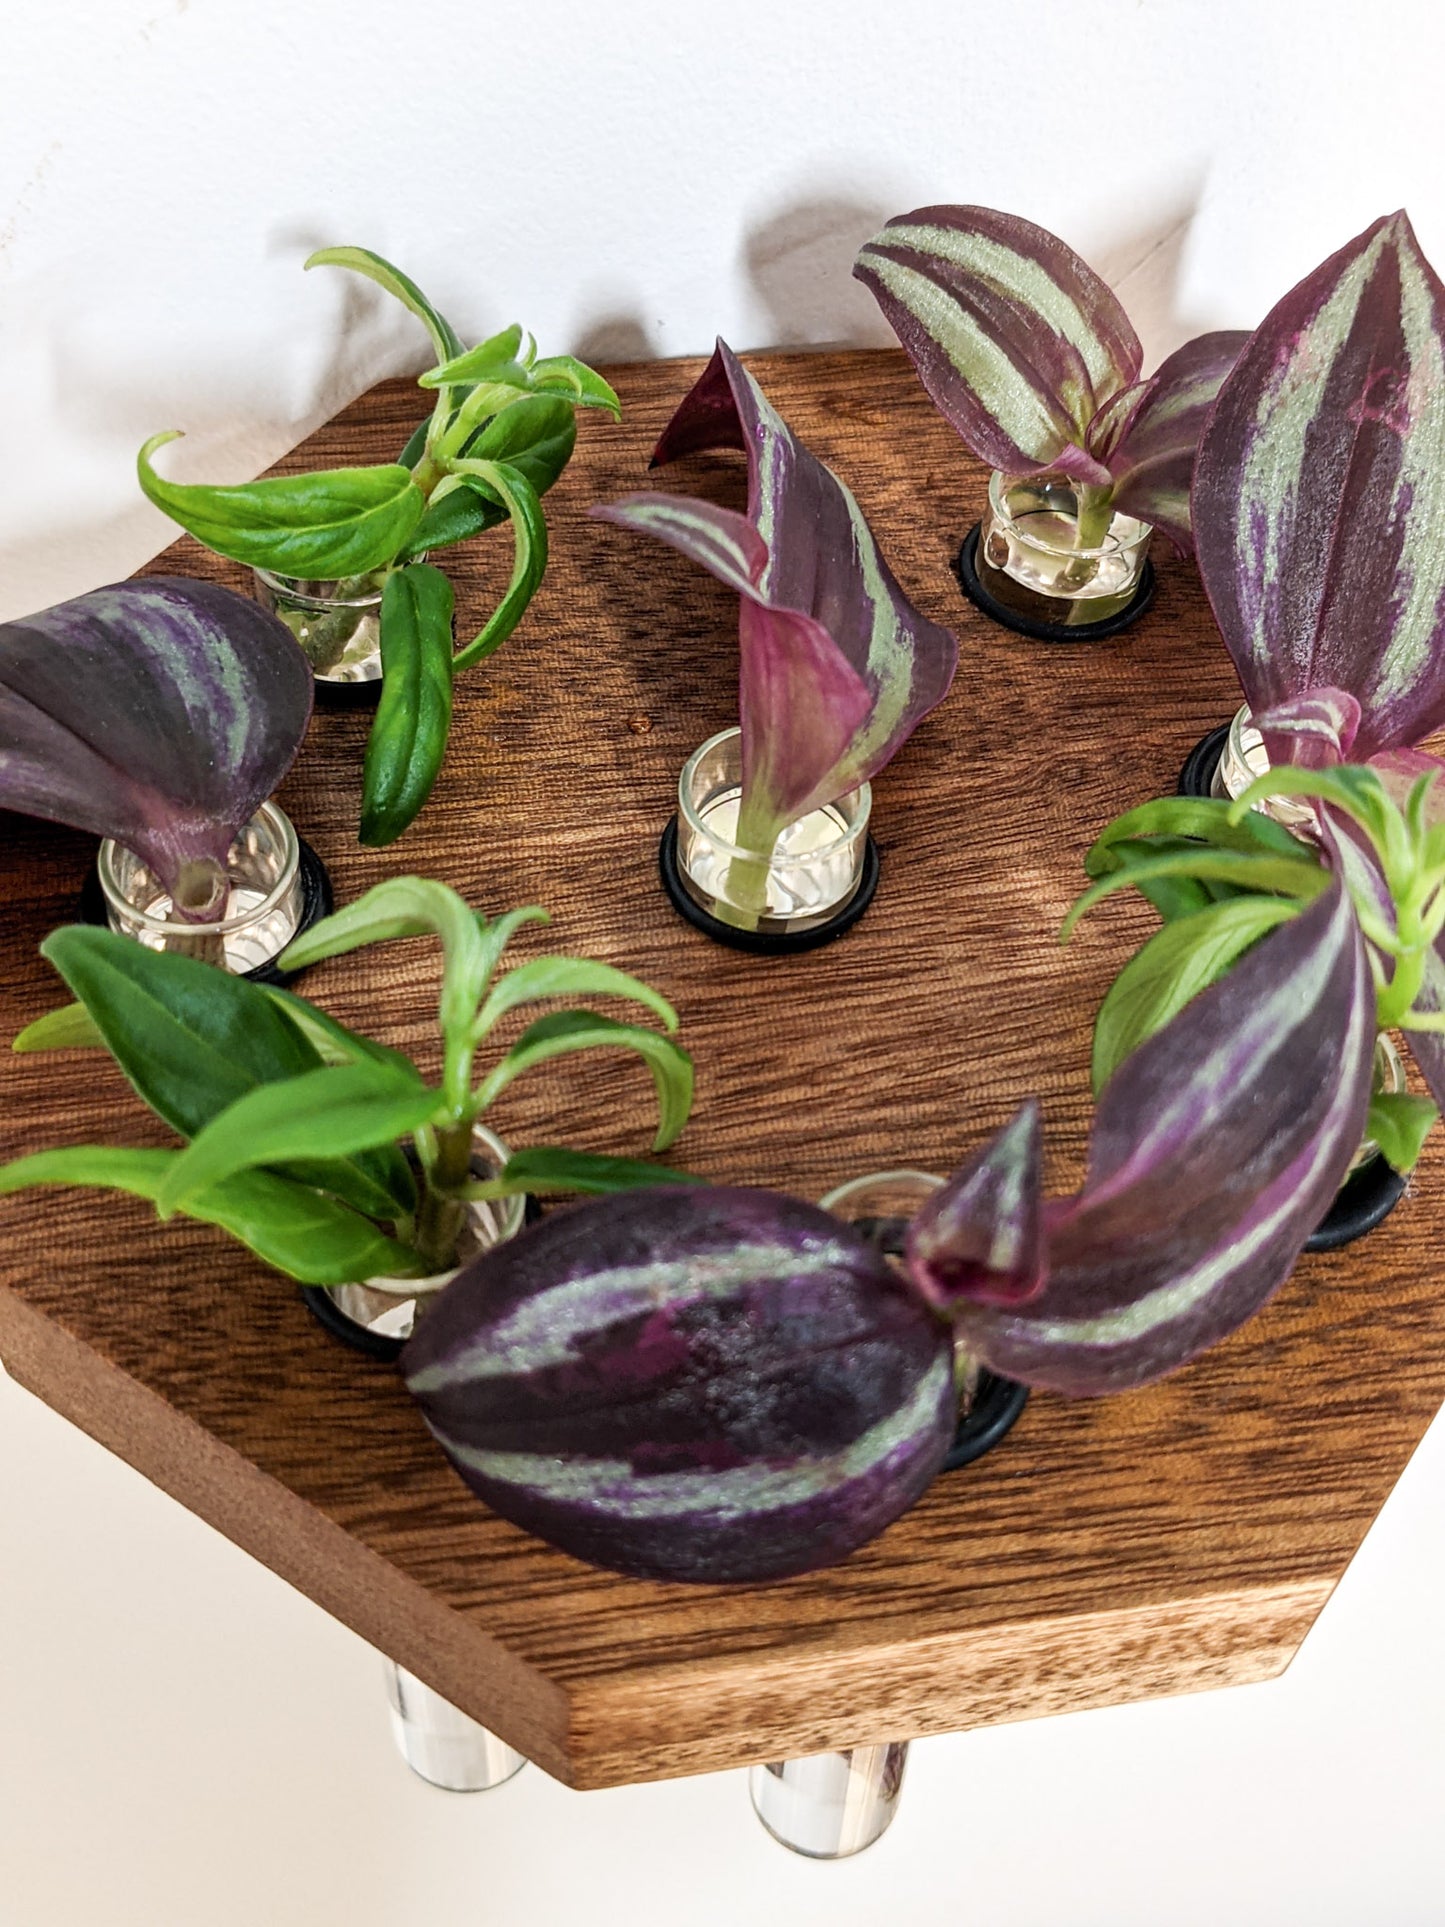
(1174, 1538)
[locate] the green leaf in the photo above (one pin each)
(454, 517)
(574, 1030)
(492, 360)
(529, 534)
(1172, 968)
(347, 1108)
(70, 1028)
(548, 1170)
(415, 907)
(297, 1230)
(332, 1041)
(567, 977)
(337, 522)
(585, 387)
(1202, 819)
(1302, 877)
(409, 735)
(1398, 1123)
(192, 1039)
(536, 435)
(444, 338)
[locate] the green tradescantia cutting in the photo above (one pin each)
(501, 431)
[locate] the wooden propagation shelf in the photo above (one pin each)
(1179, 1537)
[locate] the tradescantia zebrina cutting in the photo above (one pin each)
(1319, 502)
(837, 667)
(723, 1385)
(161, 713)
(500, 432)
(1031, 357)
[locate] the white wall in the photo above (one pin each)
(183, 1741)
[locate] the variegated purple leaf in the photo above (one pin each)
(1017, 340)
(981, 1235)
(1151, 457)
(160, 712)
(1313, 731)
(689, 1383)
(838, 667)
(1217, 1148)
(1319, 492)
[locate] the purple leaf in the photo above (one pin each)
(838, 667)
(1017, 340)
(689, 1383)
(981, 1235)
(161, 713)
(1313, 731)
(1217, 1148)
(1319, 492)
(1151, 456)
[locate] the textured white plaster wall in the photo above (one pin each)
(184, 1742)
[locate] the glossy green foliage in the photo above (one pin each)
(258, 1079)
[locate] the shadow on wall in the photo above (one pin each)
(800, 264)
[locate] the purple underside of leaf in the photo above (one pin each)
(838, 667)
(728, 1385)
(1151, 453)
(161, 712)
(1319, 492)
(1017, 340)
(1216, 1150)
(1313, 731)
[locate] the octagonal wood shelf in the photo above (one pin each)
(1180, 1537)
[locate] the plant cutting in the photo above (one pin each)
(837, 668)
(1031, 357)
(341, 553)
(1319, 515)
(719, 1385)
(326, 1153)
(160, 715)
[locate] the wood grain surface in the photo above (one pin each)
(1177, 1537)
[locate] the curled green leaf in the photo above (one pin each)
(409, 736)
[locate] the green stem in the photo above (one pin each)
(743, 899)
(1095, 512)
(441, 1212)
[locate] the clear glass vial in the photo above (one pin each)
(391, 1306)
(830, 1805)
(440, 1743)
(815, 866)
(263, 908)
(1041, 555)
(338, 624)
(1242, 761)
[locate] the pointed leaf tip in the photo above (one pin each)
(980, 1236)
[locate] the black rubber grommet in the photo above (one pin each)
(317, 901)
(965, 567)
(760, 944)
(1196, 778)
(997, 1404)
(329, 1315)
(332, 694)
(1365, 1199)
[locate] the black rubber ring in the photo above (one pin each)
(1364, 1200)
(965, 567)
(996, 1406)
(317, 901)
(1196, 778)
(371, 1344)
(334, 694)
(760, 943)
